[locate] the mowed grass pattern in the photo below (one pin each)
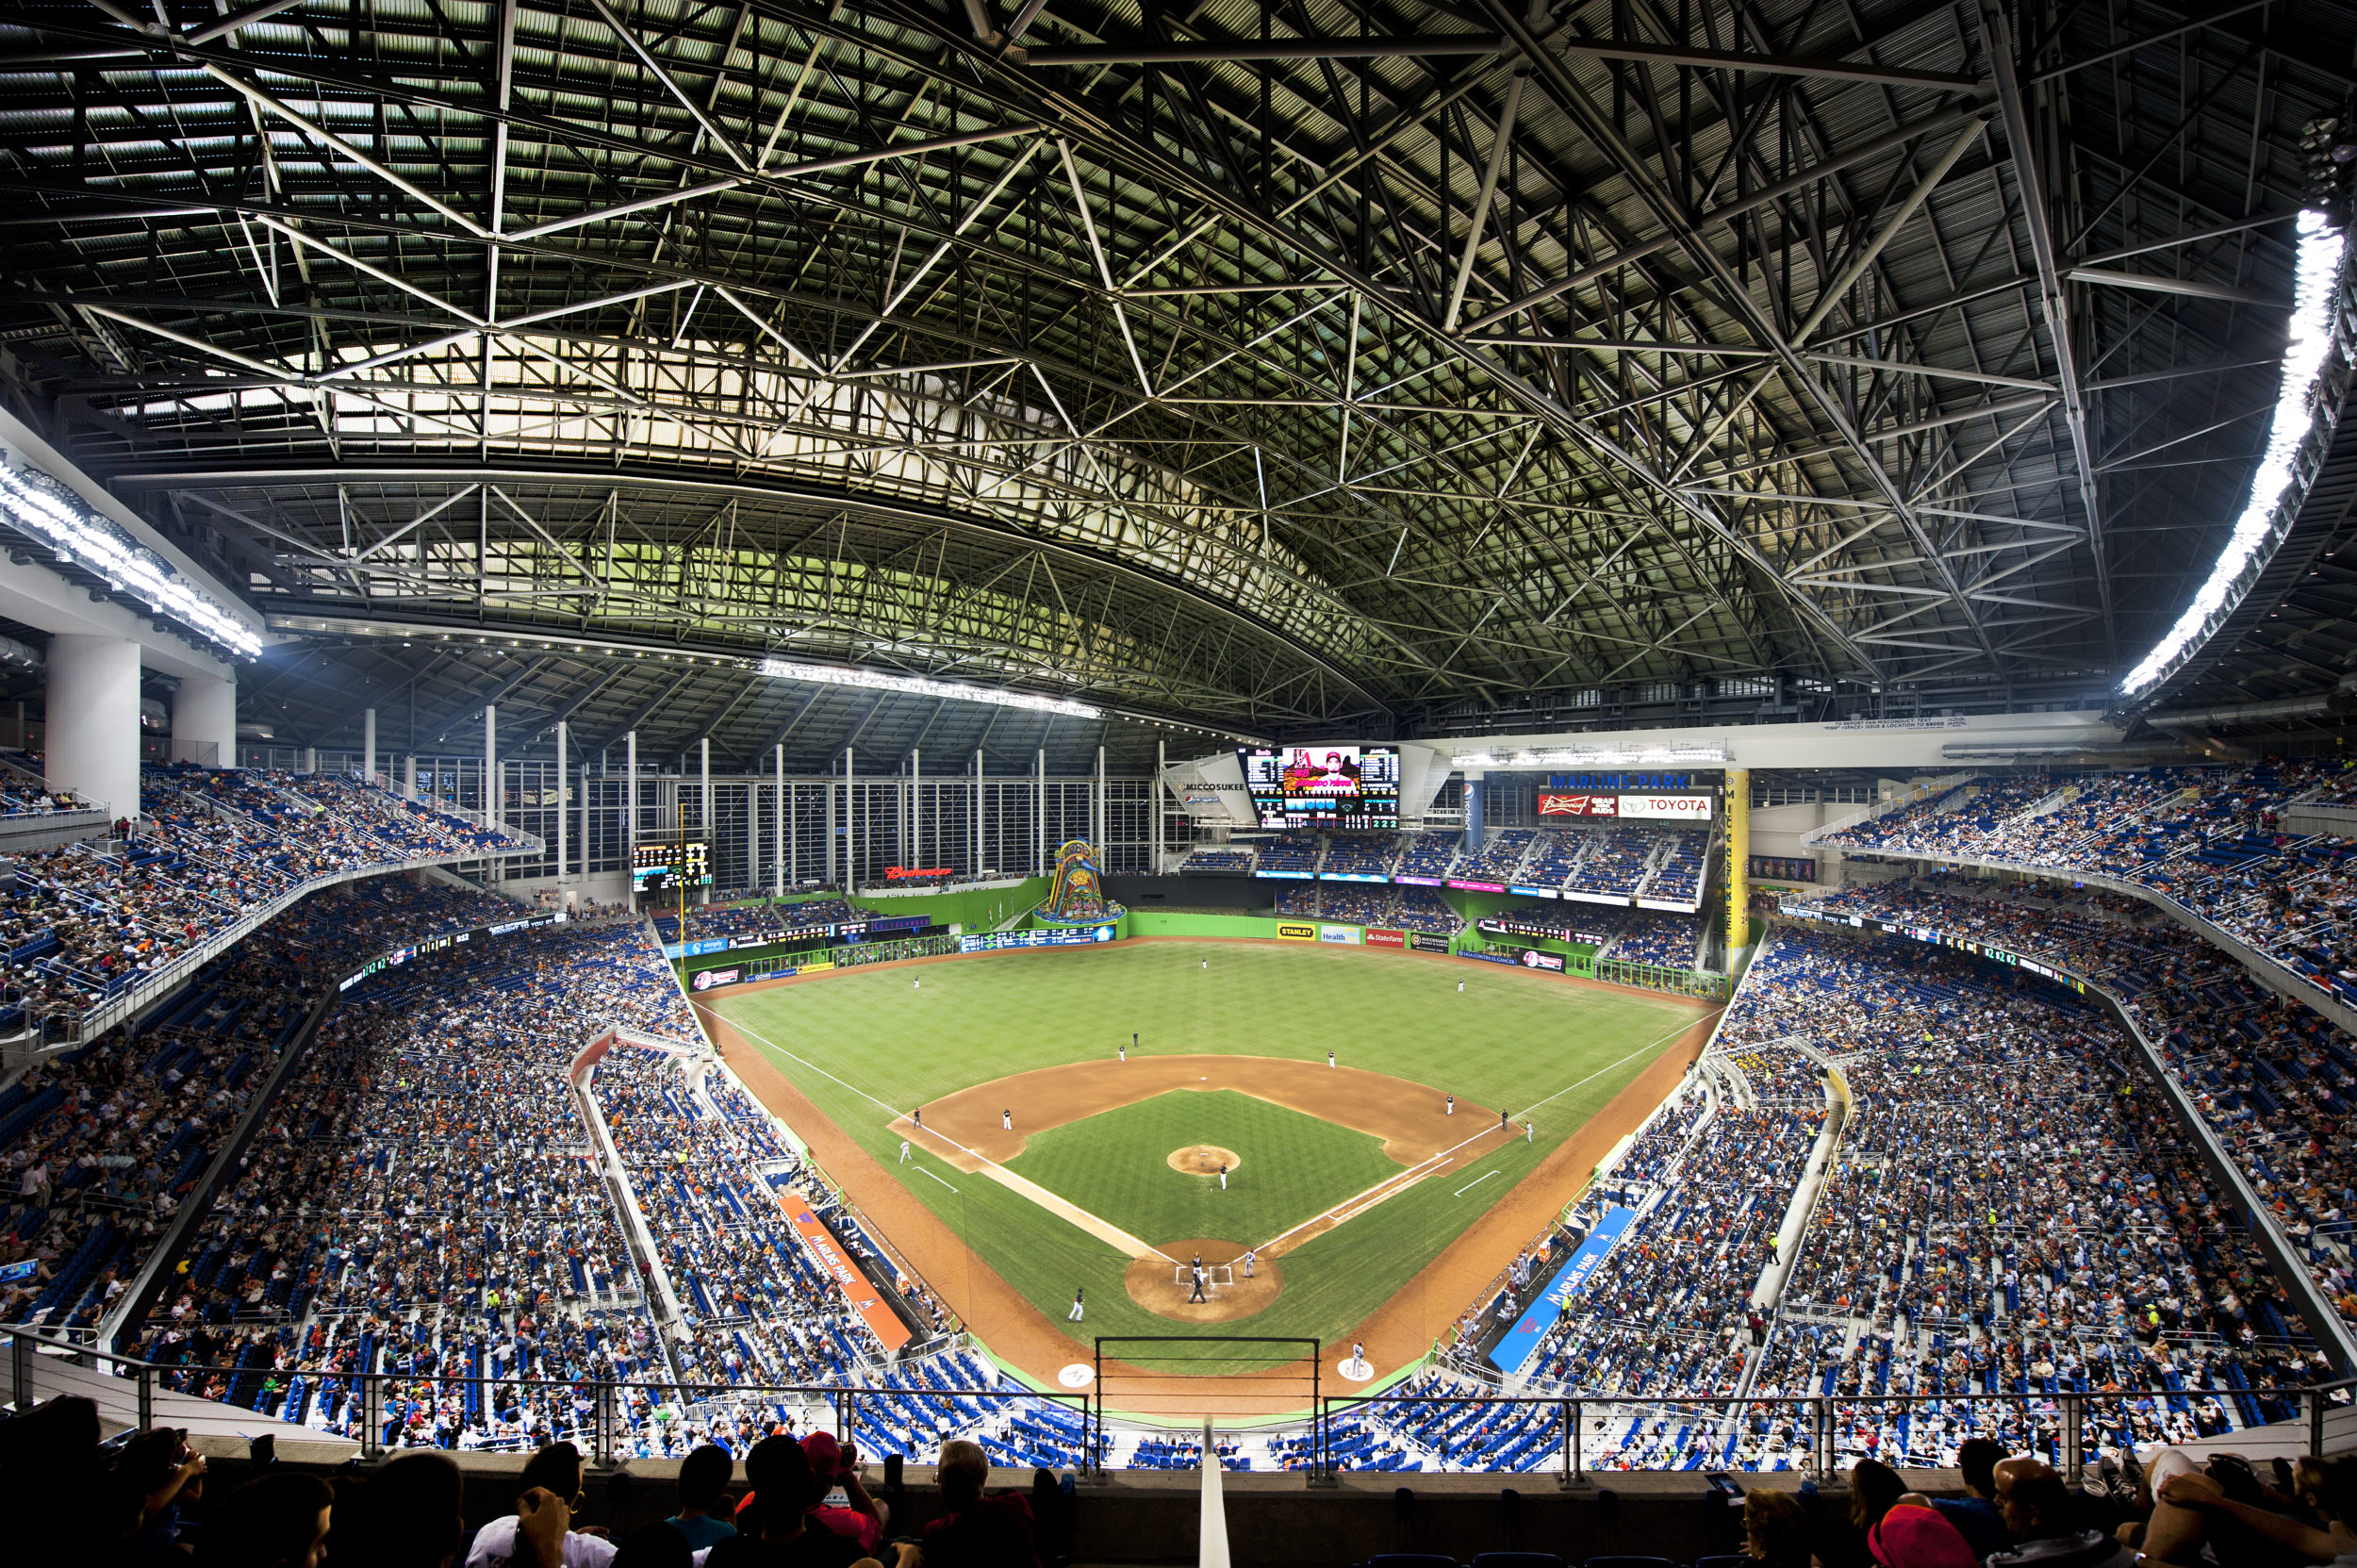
(866, 1045)
(1291, 1167)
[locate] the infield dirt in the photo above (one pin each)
(1397, 1334)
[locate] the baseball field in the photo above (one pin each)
(978, 1109)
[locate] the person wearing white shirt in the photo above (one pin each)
(555, 1469)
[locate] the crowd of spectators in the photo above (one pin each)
(2008, 1213)
(1219, 857)
(1650, 936)
(99, 1146)
(209, 851)
(2273, 1078)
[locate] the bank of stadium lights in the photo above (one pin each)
(1626, 757)
(917, 685)
(39, 506)
(2314, 270)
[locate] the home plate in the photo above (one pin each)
(1078, 1375)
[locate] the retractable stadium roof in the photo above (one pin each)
(1268, 368)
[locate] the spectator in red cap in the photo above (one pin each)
(1913, 1534)
(832, 1467)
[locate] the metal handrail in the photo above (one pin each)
(606, 1397)
(2066, 1409)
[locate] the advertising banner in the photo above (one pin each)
(706, 979)
(1297, 933)
(830, 1254)
(1542, 1315)
(1339, 934)
(1427, 941)
(1379, 937)
(1580, 805)
(993, 941)
(1477, 886)
(1534, 959)
(1665, 808)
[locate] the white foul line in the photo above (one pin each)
(922, 1171)
(1470, 1185)
(1104, 1231)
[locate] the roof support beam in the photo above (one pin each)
(2054, 299)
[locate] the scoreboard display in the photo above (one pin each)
(657, 867)
(1333, 788)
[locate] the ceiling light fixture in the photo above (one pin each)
(787, 669)
(37, 505)
(2317, 263)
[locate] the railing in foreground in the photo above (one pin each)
(1816, 1435)
(1565, 1436)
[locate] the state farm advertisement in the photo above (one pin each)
(1632, 808)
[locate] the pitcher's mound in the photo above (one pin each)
(1162, 1288)
(1203, 1160)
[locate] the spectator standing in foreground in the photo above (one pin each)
(859, 1516)
(272, 1521)
(704, 1481)
(782, 1533)
(555, 1471)
(1975, 1514)
(1775, 1529)
(976, 1530)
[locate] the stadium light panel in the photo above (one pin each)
(1623, 756)
(2314, 270)
(789, 669)
(37, 505)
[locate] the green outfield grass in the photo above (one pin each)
(865, 1045)
(1117, 1166)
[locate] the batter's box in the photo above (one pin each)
(1214, 1275)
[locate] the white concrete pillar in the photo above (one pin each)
(630, 797)
(711, 836)
(974, 865)
(367, 745)
(205, 722)
(1038, 811)
(1103, 817)
(93, 723)
(491, 766)
(308, 760)
(779, 851)
(912, 851)
(851, 823)
(560, 803)
(1155, 795)
(409, 776)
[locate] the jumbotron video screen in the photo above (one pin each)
(1341, 788)
(657, 867)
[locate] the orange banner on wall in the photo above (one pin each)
(855, 1285)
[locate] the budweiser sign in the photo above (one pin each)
(1580, 805)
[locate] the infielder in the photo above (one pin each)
(1330, 1058)
(1223, 1177)
(1074, 1316)
(1006, 1120)
(904, 1151)
(1452, 1105)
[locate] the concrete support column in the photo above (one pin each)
(711, 836)
(367, 745)
(779, 852)
(409, 777)
(1738, 804)
(308, 759)
(205, 722)
(913, 851)
(834, 835)
(973, 865)
(491, 766)
(93, 724)
(851, 823)
(1155, 795)
(630, 795)
(563, 807)
(1039, 809)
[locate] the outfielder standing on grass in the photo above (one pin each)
(1074, 1316)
